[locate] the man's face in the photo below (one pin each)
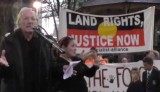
(124, 60)
(147, 66)
(27, 21)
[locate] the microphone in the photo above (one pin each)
(50, 41)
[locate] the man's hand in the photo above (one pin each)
(3, 60)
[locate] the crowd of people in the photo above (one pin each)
(28, 64)
(150, 78)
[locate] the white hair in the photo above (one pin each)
(20, 14)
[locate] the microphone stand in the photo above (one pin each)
(38, 31)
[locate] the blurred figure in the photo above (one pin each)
(136, 84)
(151, 76)
(124, 60)
(100, 58)
(153, 54)
(76, 83)
(106, 59)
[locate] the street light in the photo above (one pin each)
(37, 4)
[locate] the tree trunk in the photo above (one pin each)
(6, 18)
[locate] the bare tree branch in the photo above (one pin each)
(74, 4)
(58, 6)
(69, 4)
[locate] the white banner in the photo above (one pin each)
(131, 32)
(115, 77)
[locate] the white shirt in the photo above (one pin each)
(149, 73)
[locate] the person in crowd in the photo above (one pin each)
(106, 59)
(151, 76)
(25, 57)
(153, 54)
(75, 83)
(136, 84)
(100, 58)
(124, 60)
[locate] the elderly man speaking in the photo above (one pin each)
(25, 58)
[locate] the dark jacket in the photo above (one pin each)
(12, 78)
(135, 87)
(75, 83)
(154, 83)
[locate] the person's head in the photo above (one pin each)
(124, 60)
(106, 60)
(135, 74)
(148, 63)
(94, 50)
(68, 45)
(153, 54)
(26, 19)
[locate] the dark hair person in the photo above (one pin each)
(75, 83)
(151, 76)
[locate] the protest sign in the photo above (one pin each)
(124, 33)
(115, 77)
